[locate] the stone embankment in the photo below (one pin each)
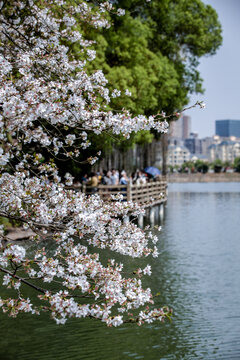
(209, 177)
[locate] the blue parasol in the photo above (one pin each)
(151, 170)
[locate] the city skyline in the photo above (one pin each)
(182, 129)
(221, 74)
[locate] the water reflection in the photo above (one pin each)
(197, 274)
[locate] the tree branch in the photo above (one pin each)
(23, 281)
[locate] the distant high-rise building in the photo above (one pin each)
(180, 128)
(177, 155)
(186, 126)
(226, 150)
(206, 142)
(175, 130)
(228, 128)
(193, 144)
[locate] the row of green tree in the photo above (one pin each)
(203, 167)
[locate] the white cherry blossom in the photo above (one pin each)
(44, 93)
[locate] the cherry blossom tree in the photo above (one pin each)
(49, 104)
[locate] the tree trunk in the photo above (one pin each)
(164, 140)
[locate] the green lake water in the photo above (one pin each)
(197, 274)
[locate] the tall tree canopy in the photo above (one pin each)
(154, 51)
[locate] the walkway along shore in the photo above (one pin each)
(208, 177)
(152, 195)
(148, 195)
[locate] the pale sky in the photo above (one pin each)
(221, 74)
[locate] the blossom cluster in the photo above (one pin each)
(45, 97)
(50, 103)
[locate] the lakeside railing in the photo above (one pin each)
(148, 194)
